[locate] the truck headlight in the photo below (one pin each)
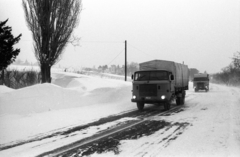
(134, 97)
(163, 97)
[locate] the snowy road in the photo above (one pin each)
(207, 125)
(215, 126)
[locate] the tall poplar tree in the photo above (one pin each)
(51, 23)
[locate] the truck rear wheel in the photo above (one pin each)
(140, 106)
(178, 100)
(182, 100)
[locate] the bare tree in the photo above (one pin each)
(236, 60)
(51, 23)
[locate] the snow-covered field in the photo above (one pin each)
(74, 99)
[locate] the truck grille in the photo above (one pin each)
(200, 85)
(147, 90)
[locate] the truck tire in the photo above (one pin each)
(183, 100)
(167, 106)
(140, 106)
(207, 89)
(178, 100)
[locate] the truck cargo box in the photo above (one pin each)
(180, 71)
(200, 75)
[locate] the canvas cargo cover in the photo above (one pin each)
(180, 71)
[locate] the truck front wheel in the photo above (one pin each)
(140, 106)
(167, 106)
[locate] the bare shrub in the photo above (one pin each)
(18, 79)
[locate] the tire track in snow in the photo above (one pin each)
(111, 142)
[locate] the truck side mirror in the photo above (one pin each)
(132, 77)
(171, 77)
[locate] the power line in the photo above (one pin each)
(115, 57)
(140, 50)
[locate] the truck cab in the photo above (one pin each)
(201, 82)
(159, 82)
(152, 86)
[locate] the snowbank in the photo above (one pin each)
(71, 99)
(212, 118)
(4, 89)
(66, 91)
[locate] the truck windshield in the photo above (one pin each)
(151, 75)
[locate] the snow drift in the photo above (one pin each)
(71, 99)
(74, 100)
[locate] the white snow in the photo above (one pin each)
(215, 129)
(74, 99)
(4, 89)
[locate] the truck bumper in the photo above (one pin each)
(202, 88)
(201, 85)
(144, 100)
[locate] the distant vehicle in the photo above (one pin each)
(201, 82)
(160, 82)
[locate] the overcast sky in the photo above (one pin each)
(204, 34)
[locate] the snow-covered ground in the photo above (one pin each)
(74, 99)
(214, 130)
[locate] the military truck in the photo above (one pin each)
(160, 82)
(201, 82)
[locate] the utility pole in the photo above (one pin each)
(125, 60)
